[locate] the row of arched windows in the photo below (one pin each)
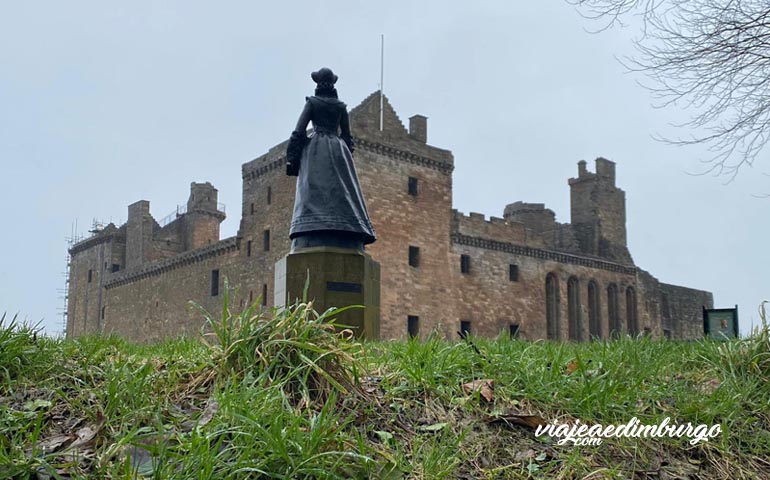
(575, 309)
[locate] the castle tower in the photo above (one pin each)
(203, 216)
(533, 215)
(139, 229)
(598, 212)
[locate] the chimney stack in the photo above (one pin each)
(418, 128)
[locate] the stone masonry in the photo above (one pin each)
(442, 271)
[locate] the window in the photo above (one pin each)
(251, 297)
(214, 283)
(248, 248)
(574, 326)
(513, 273)
(594, 309)
(264, 295)
(552, 306)
(103, 308)
(414, 256)
(413, 326)
(412, 186)
(269, 195)
(266, 240)
(631, 319)
(613, 311)
(90, 275)
(514, 330)
(465, 328)
(252, 209)
(115, 267)
(465, 264)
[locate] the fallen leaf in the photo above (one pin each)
(432, 428)
(51, 444)
(141, 460)
(31, 406)
(571, 367)
(208, 413)
(385, 437)
(484, 387)
(529, 421)
(709, 386)
(84, 437)
(525, 455)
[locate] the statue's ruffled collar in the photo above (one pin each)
(329, 100)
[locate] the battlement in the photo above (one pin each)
(533, 215)
(605, 170)
(476, 225)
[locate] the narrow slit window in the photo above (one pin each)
(414, 256)
(252, 209)
(413, 326)
(269, 195)
(465, 328)
(264, 295)
(465, 264)
(214, 283)
(514, 330)
(90, 275)
(266, 240)
(412, 186)
(248, 248)
(513, 273)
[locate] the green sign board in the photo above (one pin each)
(721, 323)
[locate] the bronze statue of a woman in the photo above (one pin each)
(329, 209)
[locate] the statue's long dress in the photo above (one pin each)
(328, 195)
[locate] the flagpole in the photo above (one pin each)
(382, 77)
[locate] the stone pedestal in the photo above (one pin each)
(338, 278)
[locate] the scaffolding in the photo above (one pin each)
(72, 239)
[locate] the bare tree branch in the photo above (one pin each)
(710, 57)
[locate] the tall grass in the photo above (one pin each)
(17, 347)
(285, 393)
(304, 353)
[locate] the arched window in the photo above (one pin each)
(594, 315)
(573, 307)
(613, 311)
(552, 306)
(633, 321)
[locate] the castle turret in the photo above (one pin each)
(139, 230)
(203, 216)
(598, 211)
(418, 128)
(533, 215)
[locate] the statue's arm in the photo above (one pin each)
(298, 140)
(304, 117)
(345, 129)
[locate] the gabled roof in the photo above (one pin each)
(366, 117)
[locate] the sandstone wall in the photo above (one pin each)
(160, 270)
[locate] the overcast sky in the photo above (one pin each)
(106, 103)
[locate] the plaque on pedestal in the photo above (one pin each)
(338, 277)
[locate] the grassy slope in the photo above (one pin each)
(287, 397)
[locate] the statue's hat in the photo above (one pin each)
(324, 75)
